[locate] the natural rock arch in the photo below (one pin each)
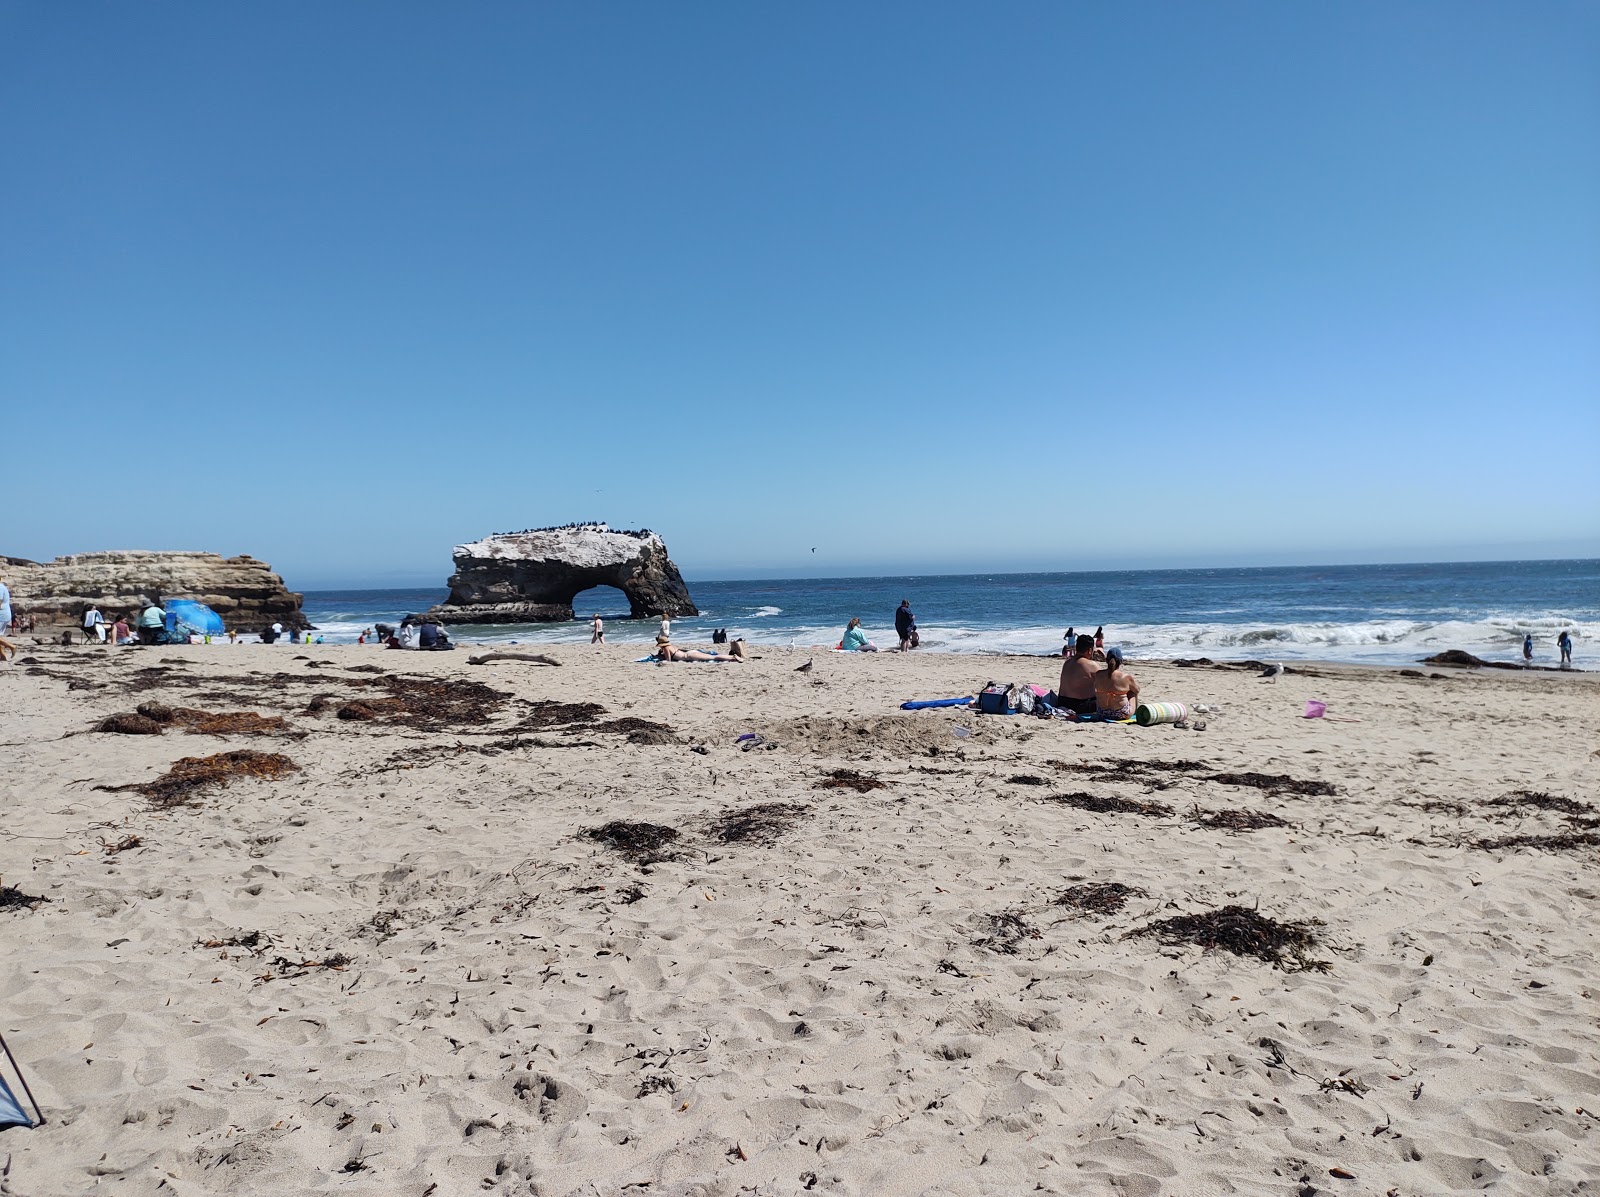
(533, 576)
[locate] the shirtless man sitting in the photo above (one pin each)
(1075, 691)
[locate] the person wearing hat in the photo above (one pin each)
(1115, 691)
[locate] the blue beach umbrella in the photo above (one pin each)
(186, 615)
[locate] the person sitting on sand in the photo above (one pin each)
(855, 640)
(1075, 690)
(666, 652)
(120, 632)
(1115, 691)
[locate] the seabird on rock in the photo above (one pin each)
(1272, 671)
(806, 668)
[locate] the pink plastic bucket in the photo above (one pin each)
(1315, 709)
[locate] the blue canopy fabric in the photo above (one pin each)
(186, 615)
(10, 1108)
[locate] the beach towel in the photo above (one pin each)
(935, 702)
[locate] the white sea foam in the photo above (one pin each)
(766, 612)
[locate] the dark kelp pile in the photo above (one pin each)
(12, 898)
(1097, 897)
(849, 779)
(761, 824)
(1027, 779)
(214, 723)
(192, 776)
(1560, 841)
(1103, 804)
(1237, 820)
(1244, 932)
(643, 843)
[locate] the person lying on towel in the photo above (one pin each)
(666, 652)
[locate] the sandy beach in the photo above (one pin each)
(418, 956)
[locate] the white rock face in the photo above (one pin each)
(592, 546)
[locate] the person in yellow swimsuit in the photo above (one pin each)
(1115, 691)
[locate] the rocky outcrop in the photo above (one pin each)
(533, 576)
(244, 591)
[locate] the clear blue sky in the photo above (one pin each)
(926, 286)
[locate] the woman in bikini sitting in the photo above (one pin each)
(1115, 691)
(665, 652)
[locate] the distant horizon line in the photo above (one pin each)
(1014, 573)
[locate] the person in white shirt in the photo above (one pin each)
(94, 622)
(666, 624)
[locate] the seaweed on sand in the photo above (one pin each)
(1097, 897)
(1276, 783)
(1027, 779)
(1238, 820)
(1558, 842)
(1006, 932)
(1536, 800)
(129, 724)
(192, 776)
(761, 824)
(1244, 932)
(644, 843)
(548, 714)
(213, 723)
(438, 704)
(849, 779)
(1102, 804)
(12, 898)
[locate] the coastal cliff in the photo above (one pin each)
(533, 576)
(244, 591)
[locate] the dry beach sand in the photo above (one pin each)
(401, 961)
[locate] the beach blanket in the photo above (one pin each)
(935, 702)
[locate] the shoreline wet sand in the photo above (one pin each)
(520, 929)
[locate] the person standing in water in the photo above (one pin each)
(1564, 644)
(1100, 637)
(1527, 649)
(905, 625)
(598, 631)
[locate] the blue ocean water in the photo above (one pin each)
(1381, 614)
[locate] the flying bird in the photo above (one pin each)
(1271, 672)
(806, 668)
(813, 550)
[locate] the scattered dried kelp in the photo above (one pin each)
(1027, 779)
(1097, 897)
(437, 704)
(761, 824)
(1103, 804)
(644, 843)
(849, 779)
(1244, 932)
(1238, 820)
(547, 714)
(254, 942)
(294, 969)
(1126, 764)
(1276, 783)
(126, 844)
(12, 898)
(1561, 841)
(1537, 800)
(1006, 932)
(214, 723)
(190, 777)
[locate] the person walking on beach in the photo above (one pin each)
(94, 624)
(1564, 644)
(905, 626)
(666, 625)
(597, 632)
(1100, 637)
(1527, 649)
